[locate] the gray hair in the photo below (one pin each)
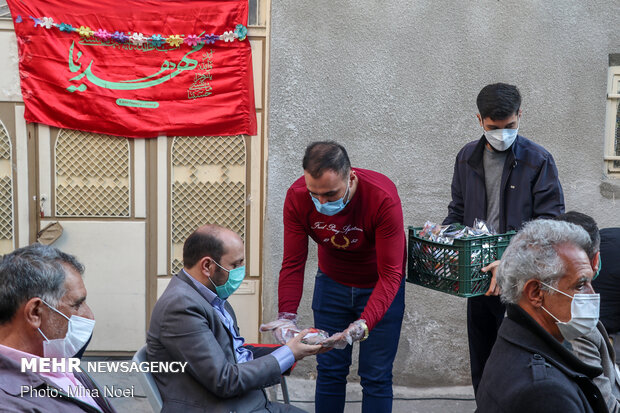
(33, 271)
(532, 254)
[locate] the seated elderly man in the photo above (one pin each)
(43, 313)
(193, 322)
(545, 279)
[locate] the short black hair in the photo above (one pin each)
(202, 243)
(326, 155)
(498, 101)
(589, 224)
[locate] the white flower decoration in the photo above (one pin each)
(228, 36)
(47, 22)
(137, 39)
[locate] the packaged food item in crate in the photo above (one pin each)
(446, 234)
(450, 258)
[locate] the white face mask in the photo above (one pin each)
(584, 311)
(501, 139)
(79, 330)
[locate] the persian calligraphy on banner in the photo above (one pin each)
(136, 68)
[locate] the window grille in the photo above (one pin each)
(5, 13)
(253, 13)
(6, 193)
(612, 121)
(208, 187)
(92, 175)
(617, 134)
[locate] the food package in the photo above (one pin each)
(315, 336)
(442, 264)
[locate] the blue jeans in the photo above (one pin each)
(335, 306)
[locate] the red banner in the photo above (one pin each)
(136, 68)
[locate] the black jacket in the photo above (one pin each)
(530, 371)
(530, 187)
(608, 282)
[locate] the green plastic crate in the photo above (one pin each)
(454, 269)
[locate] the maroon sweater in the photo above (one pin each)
(362, 246)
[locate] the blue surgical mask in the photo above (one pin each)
(235, 278)
(332, 207)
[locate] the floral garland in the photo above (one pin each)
(139, 39)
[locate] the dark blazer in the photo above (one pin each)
(530, 371)
(185, 327)
(11, 399)
(530, 187)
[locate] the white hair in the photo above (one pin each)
(532, 254)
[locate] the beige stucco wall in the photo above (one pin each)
(396, 83)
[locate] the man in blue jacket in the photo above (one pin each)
(506, 180)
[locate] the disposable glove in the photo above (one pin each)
(357, 331)
(283, 329)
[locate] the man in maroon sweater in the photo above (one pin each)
(355, 217)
